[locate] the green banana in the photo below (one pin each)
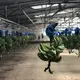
(53, 52)
(42, 57)
(55, 43)
(60, 41)
(41, 51)
(50, 57)
(61, 47)
(43, 47)
(59, 51)
(48, 47)
(52, 47)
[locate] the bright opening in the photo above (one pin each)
(45, 6)
(63, 12)
(42, 15)
(40, 6)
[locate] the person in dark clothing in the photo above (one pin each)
(39, 37)
(1, 33)
(42, 35)
(77, 31)
(50, 29)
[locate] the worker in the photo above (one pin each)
(50, 29)
(6, 32)
(38, 37)
(1, 33)
(42, 35)
(77, 31)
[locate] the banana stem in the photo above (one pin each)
(49, 64)
(50, 41)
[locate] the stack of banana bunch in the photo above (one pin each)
(51, 52)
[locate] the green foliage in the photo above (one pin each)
(2, 45)
(8, 43)
(72, 42)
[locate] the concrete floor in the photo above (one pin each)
(27, 66)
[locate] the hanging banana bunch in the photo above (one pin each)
(72, 43)
(51, 52)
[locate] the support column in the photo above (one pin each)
(6, 12)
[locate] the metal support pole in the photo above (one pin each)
(29, 18)
(6, 12)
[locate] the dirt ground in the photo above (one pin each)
(25, 65)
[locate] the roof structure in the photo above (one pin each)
(27, 11)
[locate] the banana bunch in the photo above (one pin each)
(8, 44)
(2, 45)
(51, 52)
(47, 52)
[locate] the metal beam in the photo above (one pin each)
(31, 2)
(9, 21)
(25, 6)
(28, 17)
(36, 11)
(65, 1)
(75, 6)
(59, 9)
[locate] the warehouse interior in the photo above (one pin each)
(23, 25)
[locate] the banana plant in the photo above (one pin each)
(51, 52)
(8, 44)
(72, 42)
(24, 40)
(2, 46)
